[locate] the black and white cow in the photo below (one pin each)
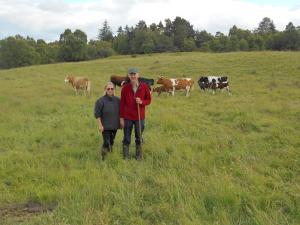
(149, 82)
(213, 83)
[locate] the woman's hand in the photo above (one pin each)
(121, 123)
(100, 128)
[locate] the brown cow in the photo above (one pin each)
(172, 84)
(119, 80)
(160, 89)
(79, 83)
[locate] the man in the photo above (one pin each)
(135, 96)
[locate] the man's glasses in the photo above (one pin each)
(109, 89)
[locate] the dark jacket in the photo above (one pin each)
(128, 105)
(108, 109)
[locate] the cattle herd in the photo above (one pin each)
(168, 85)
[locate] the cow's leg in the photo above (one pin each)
(173, 91)
(187, 90)
(75, 90)
(228, 90)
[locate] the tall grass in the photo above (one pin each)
(209, 159)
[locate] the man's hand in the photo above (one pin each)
(138, 100)
(122, 123)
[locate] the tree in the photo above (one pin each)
(239, 33)
(73, 46)
(202, 37)
(105, 33)
(17, 51)
(120, 30)
(153, 27)
(121, 44)
(235, 45)
(141, 25)
(290, 27)
(215, 45)
(189, 44)
(142, 41)
(99, 49)
(160, 27)
(291, 37)
(253, 46)
(168, 28)
(162, 42)
(181, 29)
(53, 51)
(266, 26)
(42, 50)
(244, 46)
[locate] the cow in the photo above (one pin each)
(149, 82)
(119, 80)
(214, 83)
(79, 83)
(172, 84)
(161, 89)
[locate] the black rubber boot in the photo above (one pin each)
(104, 152)
(126, 152)
(138, 152)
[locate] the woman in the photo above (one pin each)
(107, 115)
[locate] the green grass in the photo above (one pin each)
(209, 159)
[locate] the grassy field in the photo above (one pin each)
(209, 159)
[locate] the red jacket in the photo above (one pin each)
(128, 105)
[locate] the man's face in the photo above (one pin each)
(133, 77)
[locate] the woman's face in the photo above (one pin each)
(110, 90)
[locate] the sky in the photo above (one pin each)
(47, 19)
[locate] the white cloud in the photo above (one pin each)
(49, 18)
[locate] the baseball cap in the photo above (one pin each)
(133, 70)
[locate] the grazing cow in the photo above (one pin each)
(160, 89)
(172, 84)
(79, 83)
(214, 83)
(119, 80)
(149, 82)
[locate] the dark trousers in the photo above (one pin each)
(128, 125)
(108, 138)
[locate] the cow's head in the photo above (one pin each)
(203, 80)
(68, 78)
(160, 80)
(223, 79)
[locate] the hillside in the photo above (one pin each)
(209, 159)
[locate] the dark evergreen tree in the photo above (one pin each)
(105, 33)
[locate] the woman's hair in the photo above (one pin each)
(107, 84)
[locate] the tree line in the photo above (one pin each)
(170, 36)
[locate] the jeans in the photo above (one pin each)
(108, 138)
(128, 125)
